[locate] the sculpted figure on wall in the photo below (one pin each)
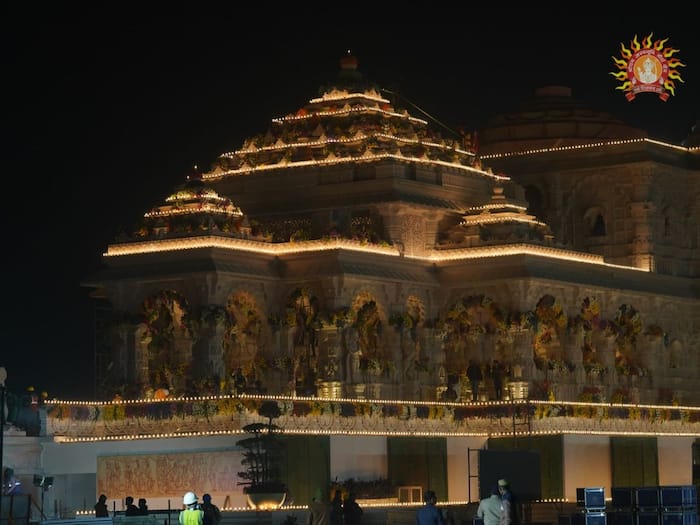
(360, 346)
(548, 322)
(467, 321)
(410, 326)
(242, 337)
(169, 335)
(353, 356)
(304, 322)
(365, 352)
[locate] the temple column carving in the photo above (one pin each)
(642, 242)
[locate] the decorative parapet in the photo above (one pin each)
(230, 243)
(285, 248)
(223, 415)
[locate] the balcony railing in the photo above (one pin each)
(222, 415)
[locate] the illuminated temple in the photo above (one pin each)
(350, 262)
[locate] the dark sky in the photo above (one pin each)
(108, 108)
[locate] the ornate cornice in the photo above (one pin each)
(227, 415)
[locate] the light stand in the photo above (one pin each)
(3, 376)
(45, 482)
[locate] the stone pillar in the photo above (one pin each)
(215, 350)
(138, 335)
(330, 364)
(643, 246)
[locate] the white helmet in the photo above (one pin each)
(190, 498)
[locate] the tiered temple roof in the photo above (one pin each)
(194, 208)
(350, 122)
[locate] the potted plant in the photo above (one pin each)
(262, 456)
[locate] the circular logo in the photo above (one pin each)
(647, 66)
(647, 69)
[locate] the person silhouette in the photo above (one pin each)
(319, 510)
(490, 508)
(475, 377)
(429, 513)
(192, 514)
(212, 514)
(337, 508)
(497, 376)
(352, 512)
(131, 509)
(510, 514)
(101, 507)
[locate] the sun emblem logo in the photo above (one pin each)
(647, 67)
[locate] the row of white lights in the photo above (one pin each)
(587, 146)
(414, 433)
(208, 194)
(347, 110)
(505, 218)
(379, 433)
(203, 208)
(496, 206)
(359, 136)
(352, 159)
(336, 95)
(232, 211)
(288, 248)
(402, 402)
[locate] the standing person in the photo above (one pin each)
(143, 507)
(511, 512)
(191, 514)
(319, 510)
(429, 514)
(131, 509)
(337, 508)
(475, 377)
(490, 508)
(212, 514)
(497, 376)
(352, 512)
(101, 507)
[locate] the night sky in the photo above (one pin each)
(107, 110)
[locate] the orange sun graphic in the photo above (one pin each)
(647, 67)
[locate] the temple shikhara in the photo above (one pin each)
(407, 297)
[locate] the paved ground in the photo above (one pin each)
(537, 514)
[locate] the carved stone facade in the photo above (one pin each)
(367, 256)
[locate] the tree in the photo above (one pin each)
(263, 454)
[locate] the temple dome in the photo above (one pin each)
(553, 117)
